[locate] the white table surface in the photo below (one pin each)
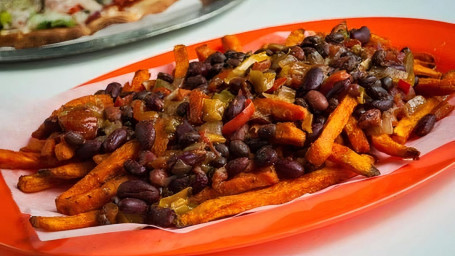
(419, 223)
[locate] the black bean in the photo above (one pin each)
(214, 69)
(193, 158)
(362, 34)
(200, 181)
(182, 109)
(377, 93)
(89, 149)
(335, 38)
(425, 125)
(237, 166)
(265, 156)
(216, 58)
(189, 138)
(140, 190)
(333, 104)
(289, 169)
(134, 167)
(196, 68)
(180, 167)
(256, 143)
(74, 138)
(378, 58)
(233, 62)
(163, 217)
(354, 90)
(115, 140)
(316, 131)
(166, 77)
(387, 83)
(193, 82)
(297, 52)
(222, 149)
(359, 110)
(301, 102)
(238, 148)
(267, 131)
(313, 79)
(311, 41)
(313, 56)
(368, 81)
(141, 95)
(235, 107)
(154, 102)
(348, 62)
(127, 113)
(50, 125)
(132, 206)
(317, 100)
(382, 105)
(337, 88)
(219, 162)
(231, 54)
(145, 134)
(370, 118)
(113, 89)
(179, 183)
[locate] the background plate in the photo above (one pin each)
(183, 13)
(17, 236)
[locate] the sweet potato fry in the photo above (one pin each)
(356, 136)
(100, 158)
(25, 160)
(386, 144)
(93, 199)
(161, 138)
(435, 87)
(288, 133)
(203, 52)
(295, 37)
(424, 63)
(69, 171)
(82, 220)
(231, 42)
(280, 110)
(196, 105)
(181, 61)
(63, 151)
(420, 70)
(241, 183)
(48, 149)
(140, 76)
(109, 168)
(443, 109)
(348, 158)
(38, 182)
(101, 101)
(181, 94)
(279, 193)
(321, 149)
(33, 145)
(406, 125)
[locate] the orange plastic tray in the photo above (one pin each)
(17, 237)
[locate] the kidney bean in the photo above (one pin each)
(317, 100)
(166, 77)
(159, 177)
(337, 88)
(354, 90)
(163, 217)
(235, 107)
(265, 156)
(222, 149)
(240, 133)
(145, 134)
(200, 181)
(127, 113)
(289, 169)
(267, 131)
(336, 38)
(113, 89)
(145, 157)
(362, 34)
(180, 167)
(377, 93)
(238, 148)
(140, 190)
(297, 52)
(113, 113)
(179, 183)
(237, 166)
(382, 105)
(134, 167)
(74, 138)
(425, 125)
(387, 83)
(219, 162)
(182, 109)
(370, 118)
(313, 79)
(89, 149)
(194, 81)
(154, 102)
(215, 58)
(378, 58)
(132, 206)
(193, 158)
(115, 140)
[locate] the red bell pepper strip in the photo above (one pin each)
(277, 84)
(404, 86)
(240, 119)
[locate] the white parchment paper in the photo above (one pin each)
(42, 203)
